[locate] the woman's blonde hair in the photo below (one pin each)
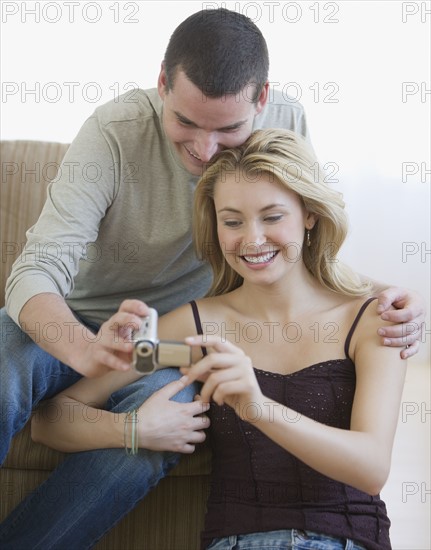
(288, 159)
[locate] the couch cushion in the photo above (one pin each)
(26, 455)
(27, 169)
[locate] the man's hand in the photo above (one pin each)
(89, 354)
(165, 425)
(409, 314)
(111, 347)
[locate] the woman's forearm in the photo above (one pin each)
(351, 457)
(68, 425)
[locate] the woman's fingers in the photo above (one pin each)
(213, 343)
(213, 362)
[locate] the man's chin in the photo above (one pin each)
(192, 167)
(190, 163)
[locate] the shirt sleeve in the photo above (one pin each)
(282, 111)
(77, 200)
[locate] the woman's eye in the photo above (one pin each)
(273, 218)
(231, 223)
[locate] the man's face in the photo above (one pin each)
(199, 126)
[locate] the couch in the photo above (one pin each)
(171, 516)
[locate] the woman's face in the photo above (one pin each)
(260, 226)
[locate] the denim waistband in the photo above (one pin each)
(284, 539)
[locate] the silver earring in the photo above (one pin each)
(308, 242)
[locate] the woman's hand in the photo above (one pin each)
(226, 372)
(167, 425)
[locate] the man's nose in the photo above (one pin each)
(206, 145)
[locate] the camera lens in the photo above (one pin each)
(144, 349)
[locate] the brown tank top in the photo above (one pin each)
(258, 486)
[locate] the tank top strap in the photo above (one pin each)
(355, 324)
(198, 323)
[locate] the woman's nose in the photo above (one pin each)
(253, 238)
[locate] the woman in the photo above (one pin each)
(304, 398)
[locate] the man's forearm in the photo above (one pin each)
(48, 320)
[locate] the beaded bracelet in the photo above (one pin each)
(132, 417)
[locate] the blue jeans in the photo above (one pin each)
(27, 375)
(286, 539)
(90, 491)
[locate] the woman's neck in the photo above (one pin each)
(295, 296)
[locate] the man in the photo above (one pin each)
(122, 223)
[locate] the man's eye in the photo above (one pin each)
(231, 130)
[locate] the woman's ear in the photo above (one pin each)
(310, 220)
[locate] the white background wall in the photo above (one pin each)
(361, 69)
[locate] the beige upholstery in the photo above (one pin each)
(171, 516)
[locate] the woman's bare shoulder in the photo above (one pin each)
(181, 322)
